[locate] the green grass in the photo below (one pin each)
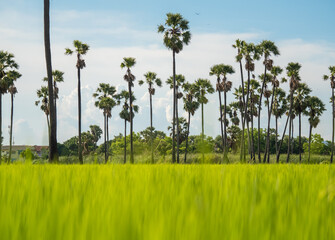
(167, 201)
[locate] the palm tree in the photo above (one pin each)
(299, 106)
(7, 67)
(275, 71)
(190, 105)
(176, 34)
(332, 85)
(53, 152)
(224, 87)
(125, 115)
(250, 53)
(57, 77)
(43, 94)
(151, 80)
(254, 88)
(315, 108)
(292, 70)
(278, 110)
(202, 87)
(176, 83)
(12, 90)
(80, 49)
(267, 49)
(105, 95)
(130, 78)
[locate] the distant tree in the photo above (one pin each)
(315, 108)
(176, 34)
(125, 115)
(106, 101)
(331, 77)
(182, 128)
(43, 94)
(130, 78)
(191, 104)
(292, 70)
(151, 79)
(7, 66)
(96, 132)
(57, 77)
(12, 90)
(80, 49)
(299, 106)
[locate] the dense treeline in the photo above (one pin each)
(256, 95)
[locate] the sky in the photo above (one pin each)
(301, 29)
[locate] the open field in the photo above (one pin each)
(167, 201)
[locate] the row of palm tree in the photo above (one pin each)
(176, 35)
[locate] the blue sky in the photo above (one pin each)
(115, 29)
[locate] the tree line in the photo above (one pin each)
(256, 93)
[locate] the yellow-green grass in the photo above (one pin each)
(167, 201)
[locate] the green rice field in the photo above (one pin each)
(161, 201)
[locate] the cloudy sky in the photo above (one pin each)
(113, 29)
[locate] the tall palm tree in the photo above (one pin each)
(203, 87)
(191, 104)
(223, 86)
(130, 78)
(292, 70)
(332, 85)
(80, 49)
(12, 90)
(268, 48)
(57, 77)
(250, 53)
(151, 79)
(176, 35)
(53, 152)
(240, 46)
(299, 106)
(43, 94)
(105, 95)
(254, 96)
(315, 108)
(175, 83)
(125, 115)
(278, 110)
(7, 65)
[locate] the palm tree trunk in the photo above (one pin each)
(202, 129)
(107, 133)
(53, 153)
(80, 152)
(55, 104)
(269, 124)
(0, 127)
(266, 142)
(174, 109)
(309, 142)
(48, 124)
(177, 118)
(259, 116)
(300, 137)
(289, 129)
(131, 122)
(276, 140)
(11, 127)
(151, 131)
(242, 118)
(125, 141)
(188, 133)
(220, 102)
(245, 114)
(252, 134)
(225, 151)
(282, 139)
(333, 113)
(105, 136)
(292, 137)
